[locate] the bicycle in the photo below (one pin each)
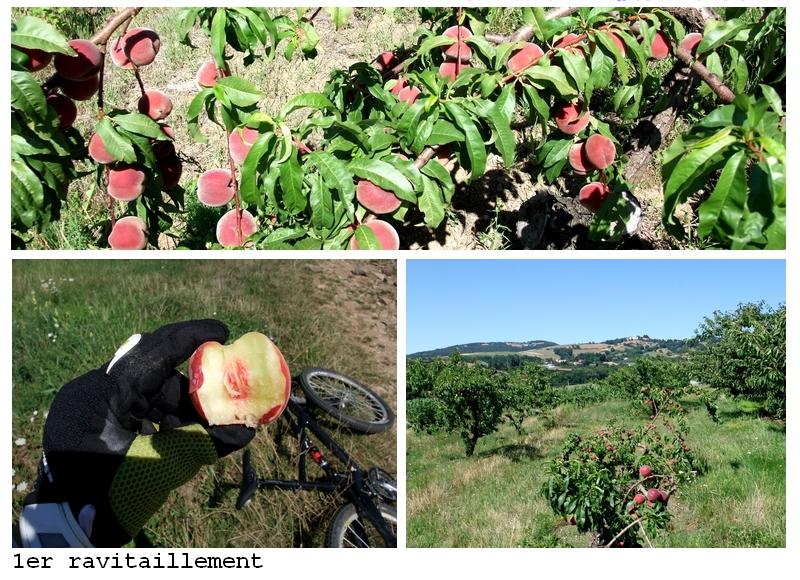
(366, 519)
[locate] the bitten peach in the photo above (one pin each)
(246, 382)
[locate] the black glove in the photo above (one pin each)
(119, 438)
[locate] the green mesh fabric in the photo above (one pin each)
(154, 466)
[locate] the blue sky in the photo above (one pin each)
(568, 301)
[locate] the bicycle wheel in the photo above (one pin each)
(349, 531)
(347, 400)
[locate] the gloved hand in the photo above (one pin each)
(118, 439)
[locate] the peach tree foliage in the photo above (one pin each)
(594, 481)
(43, 150)
(743, 352)
(527, 391)
(42, 154)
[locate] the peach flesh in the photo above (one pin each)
(244, 383)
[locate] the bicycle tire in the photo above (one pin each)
(342, 532)
(346, 400)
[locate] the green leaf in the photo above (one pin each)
(476, 149)
(186, 18)
(684, 176)
(218, 37)
(431, 203)
(555, 77)
(505, 142)
(291, 180)
(438, 172)
(336, 174)
(719, 34)
(309, 100)
(434, 42)
(240, 92)
(622, 63)
(773, 98)
(27, 95)
(725, 206)
(27, 194)
(384, 176)
(444, 132)
(32, 32)
(139, 124)
(339, 16)
(575, 65)
(118, 146)
(248, 182)
(321, 204)
(366, 239)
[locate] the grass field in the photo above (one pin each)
(494, 500)
(70, 316)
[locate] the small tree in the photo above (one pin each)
(473, 397)
(744, 353)
(526, 391)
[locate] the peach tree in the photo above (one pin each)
(616, 484)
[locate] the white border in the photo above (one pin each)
(474, 563)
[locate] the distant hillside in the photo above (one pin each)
(617, 349)
(485, 348)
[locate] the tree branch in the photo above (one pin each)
(116, 20)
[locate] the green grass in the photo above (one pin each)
(494, 499)
(70, 316)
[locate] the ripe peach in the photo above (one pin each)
(215, 188)
(385, 61)
(240, 142)
(386, 234)
(129, 233)
(653, 494)
(65, 109)
(458, 32)
(37, 59)
(126, 182)
(208, 74)
(233, 229)
(409, 95)
(569, 119)
(117, 53)
(399, 85)
(592, 195)
(617, 40)
(566, 43)
(450, 70)
(163, 149)
(171, 169)
(141, 45)
(375, 199)
(98, 151)
(578, 160)
(525, 57)
(660, 47)
(246, 382)
(82, 66)
(80, 90)
(638, 499)
(691, 41)
(459, 51)
(155, 105)
(600, 150)
(645, 471)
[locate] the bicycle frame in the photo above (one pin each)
(351, 483)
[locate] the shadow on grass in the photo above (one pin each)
(516, 452)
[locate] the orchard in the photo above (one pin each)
(592, 105)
